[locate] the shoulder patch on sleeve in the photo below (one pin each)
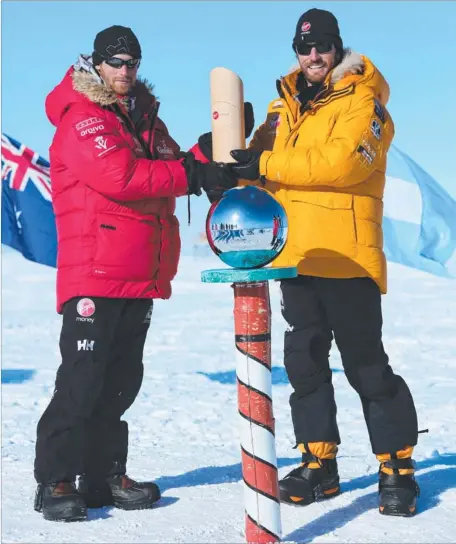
(102, 145)
(379, 111)
(376, 129)
(89, 127)
(366, 152)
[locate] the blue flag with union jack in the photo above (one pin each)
(28, 221)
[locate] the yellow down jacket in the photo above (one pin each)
(327, 167)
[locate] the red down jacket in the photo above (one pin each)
(117, 233)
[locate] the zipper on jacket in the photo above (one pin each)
(152, 116)
(132, 129)
(280, 83)
(285, 102)
(322, 101)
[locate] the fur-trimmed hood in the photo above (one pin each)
(352, 63)
(96, 90)
(82, 83)
(353, 69)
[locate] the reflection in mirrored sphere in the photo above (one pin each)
(247, 228)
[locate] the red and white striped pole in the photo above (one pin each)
(252, 321)
(252, 325)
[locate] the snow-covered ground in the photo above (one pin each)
(184, 424)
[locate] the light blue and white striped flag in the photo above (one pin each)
(419, 218)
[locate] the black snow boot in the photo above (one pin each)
(397, 488)
(119, 491)
(96, 493)
(60, 501)
(315, 479)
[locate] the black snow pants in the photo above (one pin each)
(100, 375)
(350, 309)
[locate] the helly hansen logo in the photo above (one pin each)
(86, 345)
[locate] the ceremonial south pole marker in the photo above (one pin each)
(252, 322)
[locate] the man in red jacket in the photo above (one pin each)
(115, 173)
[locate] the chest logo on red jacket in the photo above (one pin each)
(164, 149)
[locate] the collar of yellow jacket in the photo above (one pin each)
(354, 69)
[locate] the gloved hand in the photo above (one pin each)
(248, 163)
(215, 178)
(205, 140)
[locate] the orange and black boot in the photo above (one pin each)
(316, 478)
(397, 487)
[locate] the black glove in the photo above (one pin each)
(205, 140)
(215, 178)
(249, 118)
(248, 164)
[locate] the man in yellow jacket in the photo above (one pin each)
(322, 152)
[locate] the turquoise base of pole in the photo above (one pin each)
(239, 275)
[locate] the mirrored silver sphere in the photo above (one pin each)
(247, 227)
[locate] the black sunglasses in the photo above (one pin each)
(115, 62)
(303, 48)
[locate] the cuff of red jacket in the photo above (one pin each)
(199, 155)
(180, 178)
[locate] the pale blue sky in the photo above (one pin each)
(413, 44)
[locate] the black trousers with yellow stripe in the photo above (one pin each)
(348, 310)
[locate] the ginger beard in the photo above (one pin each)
(120, 80)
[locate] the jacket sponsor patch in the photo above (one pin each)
(370, 146)
(376, 129)
(102, 146)
(85, 308)
(90, 130)
(87, 122)
(277, 104)
(366, 153)
(274, 121)
(379, 111)
(164, 149)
